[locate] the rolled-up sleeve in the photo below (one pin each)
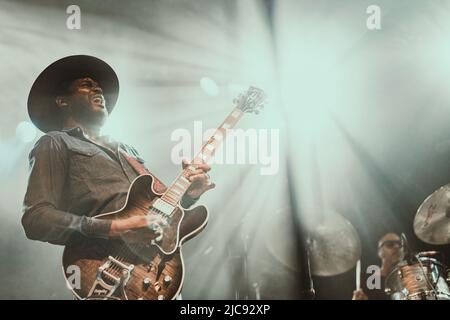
(42, 217)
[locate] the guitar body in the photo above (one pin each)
(121, 269)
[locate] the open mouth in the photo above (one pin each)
(98, 99)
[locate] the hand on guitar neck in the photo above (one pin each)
(197, 174)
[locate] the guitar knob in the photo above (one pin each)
(154, 227)
(167, 279)
(147, 282)
(160, 297)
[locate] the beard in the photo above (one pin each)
(87, 113)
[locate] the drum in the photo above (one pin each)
(423, 279)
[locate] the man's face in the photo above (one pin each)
(86, 102)
(390, 248)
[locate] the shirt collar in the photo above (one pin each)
(75, 131)
(78, 132)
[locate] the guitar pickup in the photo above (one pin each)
(163, 206)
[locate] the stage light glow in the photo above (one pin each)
(25, 131)
(209, 86)
(237, 88)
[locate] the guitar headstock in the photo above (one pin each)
(252, 101)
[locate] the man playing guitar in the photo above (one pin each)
(75, 173)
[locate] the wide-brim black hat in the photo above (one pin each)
(42, 107)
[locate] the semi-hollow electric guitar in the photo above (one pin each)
(153, 270)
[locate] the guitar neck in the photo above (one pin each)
(178, 188)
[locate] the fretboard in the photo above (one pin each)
(178, 188)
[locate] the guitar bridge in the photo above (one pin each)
(106, 283)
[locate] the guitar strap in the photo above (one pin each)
(141, 169)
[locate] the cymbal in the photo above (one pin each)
(432, 220)
(334, 246)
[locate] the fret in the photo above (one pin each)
(179, 185)
(174, 193)
(183, 179)
(210, 147)
(197, 160)
(236, 113)
(169, 199)
(218, 136)
(179, 192)
(207, 151)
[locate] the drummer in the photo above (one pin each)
(390, 251)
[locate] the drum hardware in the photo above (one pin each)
(425, 276)
(257, 291)
(237, 252)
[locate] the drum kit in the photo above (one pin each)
(334, 248)
(422, 276)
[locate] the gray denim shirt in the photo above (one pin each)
(71, 180)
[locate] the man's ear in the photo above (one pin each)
(61, 102)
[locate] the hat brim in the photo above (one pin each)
(42, 107)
